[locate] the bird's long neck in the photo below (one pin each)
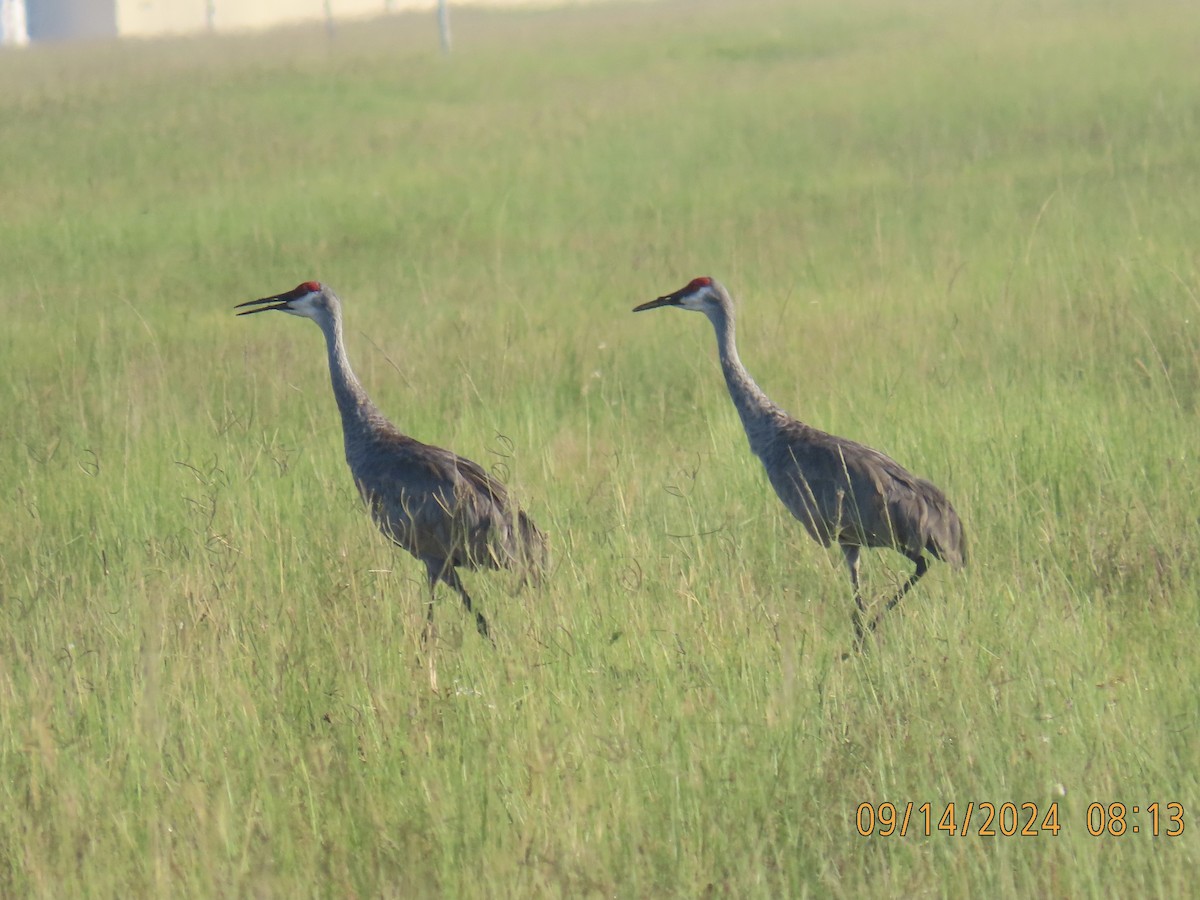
(358, 412)
(756, 410)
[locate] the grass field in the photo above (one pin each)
(966, 234)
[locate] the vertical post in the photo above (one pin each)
(443, 14)
(14, 30)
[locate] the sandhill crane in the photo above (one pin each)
(839, 490)
(443, 509)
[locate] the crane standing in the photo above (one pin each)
(442, 508)
(839, 490)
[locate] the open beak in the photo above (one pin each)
(276, 302)
(668, 300)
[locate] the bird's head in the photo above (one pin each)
(311, 299)
(700, 294)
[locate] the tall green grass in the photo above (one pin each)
(963, 233)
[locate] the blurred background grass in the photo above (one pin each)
(964, 234)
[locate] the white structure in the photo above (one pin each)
(48, 20)
(13, 32)
(59, 19)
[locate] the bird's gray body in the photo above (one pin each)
(841, 491)
(846, 493)
(442, 508)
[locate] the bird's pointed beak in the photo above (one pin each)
(668, 300)
(279, 301)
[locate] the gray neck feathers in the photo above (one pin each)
(757, 412)
(358, 412)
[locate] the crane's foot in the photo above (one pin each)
(860, 633)
(858, 617)
(482, 626)
(429, 648)
(433, 681)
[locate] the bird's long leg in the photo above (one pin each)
(922, 568)
(429, 636)
(451, 578)
(434, 571)
(851, 552)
